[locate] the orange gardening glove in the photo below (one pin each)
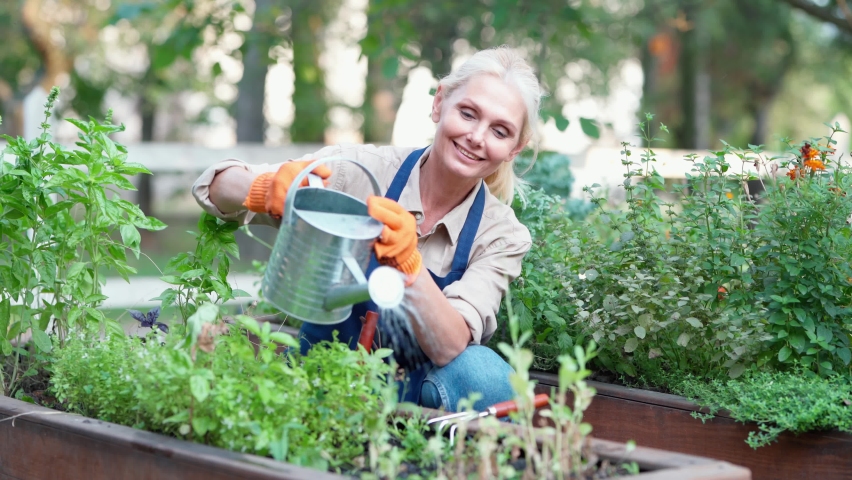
(397, 247)
(268, 191)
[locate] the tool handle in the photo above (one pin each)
(503, 409)
(368, 330)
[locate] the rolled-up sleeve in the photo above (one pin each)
(478, 294)
(201, 187)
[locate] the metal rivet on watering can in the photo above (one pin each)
(323, 247)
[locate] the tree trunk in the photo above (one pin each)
(249, 114)
(309, 96)
(381, 101)
(148, 110)
(686, 136)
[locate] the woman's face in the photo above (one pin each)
(479, 126)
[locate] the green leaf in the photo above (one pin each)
(237, 293)
(631, 344)
(639, 331)
(845, 355)
(737, 260)
(75, 270)
(5, 347)
(41, 340)
(561, 122)
(784, 353)
(554, 319)
(199, 387)
(5, 317)
(284, 339)
(590, 127)
(95, 298)
(166, 298)
(736, 370)
(797, 342)
(171, 279)
(249, 324)
(192, 274)
(694, 322)
(130, 236)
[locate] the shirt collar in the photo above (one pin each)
(452, 221)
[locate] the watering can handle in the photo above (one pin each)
(291, 193)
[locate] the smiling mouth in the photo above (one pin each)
(466, 153)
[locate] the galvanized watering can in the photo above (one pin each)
(316, 271)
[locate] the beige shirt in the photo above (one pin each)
(498, 249)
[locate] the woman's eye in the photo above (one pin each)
(466, 114)
(500, 133)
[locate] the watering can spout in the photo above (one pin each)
(386, 288)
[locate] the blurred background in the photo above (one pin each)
(197, 81)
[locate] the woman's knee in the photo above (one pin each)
(476, 370)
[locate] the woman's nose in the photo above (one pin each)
(476, 135)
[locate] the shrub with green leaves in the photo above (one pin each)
(212, 386)
(60, 217)
(717, 283)
(201, 276)
(798, 401)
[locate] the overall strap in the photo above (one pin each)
(401, 177)
(468, 233)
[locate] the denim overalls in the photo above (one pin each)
(349, 331)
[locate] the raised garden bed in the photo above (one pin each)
(664, 421)
(39, 443)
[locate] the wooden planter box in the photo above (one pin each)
(39, 443)
(663, 421)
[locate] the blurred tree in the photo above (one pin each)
(41, 39)
(403, 35)
(727, 59)
(836, 12)
(249, 111)
(307, 29)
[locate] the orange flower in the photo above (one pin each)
(815, 164)
(721, 292)
(808, 152)
(794, 173)
(729, 195)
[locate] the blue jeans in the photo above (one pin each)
(476, 369)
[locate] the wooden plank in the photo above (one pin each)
(44, 444)
(616, 415)
(654, 464)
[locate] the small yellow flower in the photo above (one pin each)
(729, 195)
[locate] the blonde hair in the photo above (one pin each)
(508, 65)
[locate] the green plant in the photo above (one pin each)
(802, 263)
(563, 452)
(713, 283)
(797, 401)
(200, 274)
(59, 214)
(537, 300)
(212, 385)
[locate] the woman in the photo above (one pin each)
(445, 209)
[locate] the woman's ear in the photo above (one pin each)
(515, 151)
(436, 104)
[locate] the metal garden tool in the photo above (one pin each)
(316, 270)
(498, 410)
